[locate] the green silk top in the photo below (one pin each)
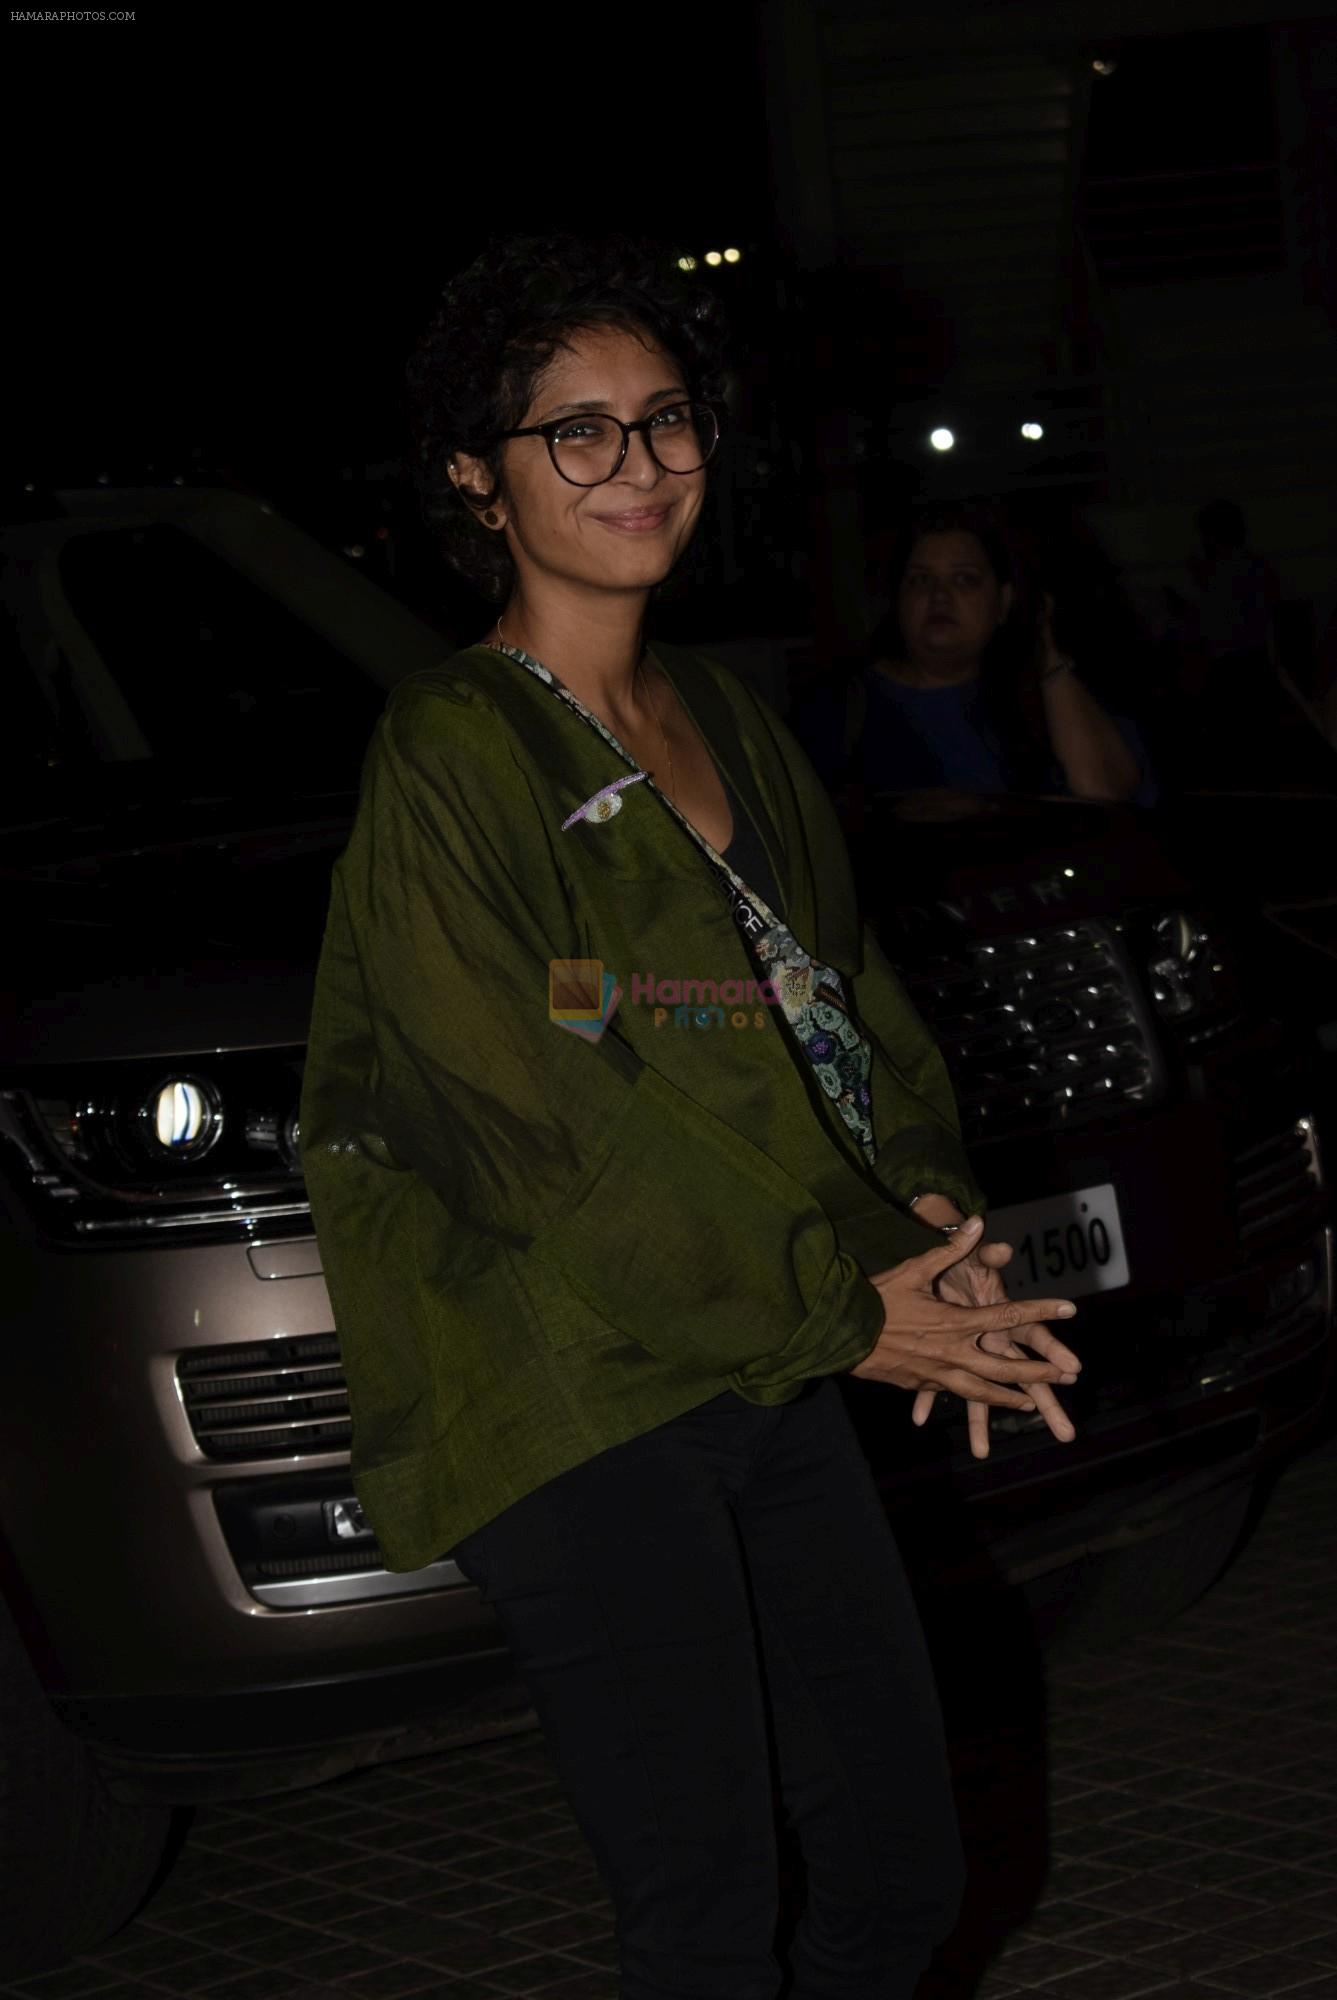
(539, 1245)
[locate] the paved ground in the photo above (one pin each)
(1158, 1816)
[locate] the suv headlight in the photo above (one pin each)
(181, 1118)
(136, 1151)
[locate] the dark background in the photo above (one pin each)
(227, 227)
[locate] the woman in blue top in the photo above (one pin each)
(942, 707)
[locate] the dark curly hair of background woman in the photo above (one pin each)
(497, 327)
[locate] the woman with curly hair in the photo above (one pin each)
(595, 1266)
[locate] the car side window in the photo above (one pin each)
(212, 666)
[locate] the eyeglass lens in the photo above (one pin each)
(586, 449)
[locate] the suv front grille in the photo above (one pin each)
(1039, 1030)
(1276, 1179)
(272, 1399)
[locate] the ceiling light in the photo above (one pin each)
(942, 439)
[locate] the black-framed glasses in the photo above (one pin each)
(589, 448)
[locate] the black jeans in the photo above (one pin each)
(708, 1605)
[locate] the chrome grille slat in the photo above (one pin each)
(1258, 1188)
(258, 1357)
(270, 1444)
(338, 1564)
(1039, 1029)
(259, 1401)
(1276, 1179)
(251, 1416)
(203, 1388)
(1263, 1221)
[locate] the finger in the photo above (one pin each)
(1040, 1340)
(996, 1255)
(929, 1264)
(946, 1340)
(1047, 1403)
(922, 1410)
(973, 1388)
(977, 1424)
(1054, 1414)
(1010, 1315)
(1020, 1369)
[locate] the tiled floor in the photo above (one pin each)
(1158, 1816)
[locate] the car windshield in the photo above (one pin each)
(154, 650)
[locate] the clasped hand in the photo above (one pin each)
(930, 1343)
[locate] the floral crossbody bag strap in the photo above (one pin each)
(811, 995)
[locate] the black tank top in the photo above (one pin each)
(746, 855)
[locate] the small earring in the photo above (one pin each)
(490, 518)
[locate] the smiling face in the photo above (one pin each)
(623, 535)
(950, 602)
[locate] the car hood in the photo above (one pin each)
(167, 927)
(935, 866)
(165, 930)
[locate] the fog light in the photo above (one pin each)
(1292, 1288)
(346, 1522)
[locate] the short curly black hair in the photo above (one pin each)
(498, 325)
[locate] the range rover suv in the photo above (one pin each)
(1147, 1118)
(192, 1605)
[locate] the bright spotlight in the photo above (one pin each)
(714, 257)
(733, 256)
(1032, 431)
(942, 439)
(686, 263)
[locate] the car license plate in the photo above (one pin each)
(1062, 1247)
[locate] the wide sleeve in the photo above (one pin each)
(667, 1221)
